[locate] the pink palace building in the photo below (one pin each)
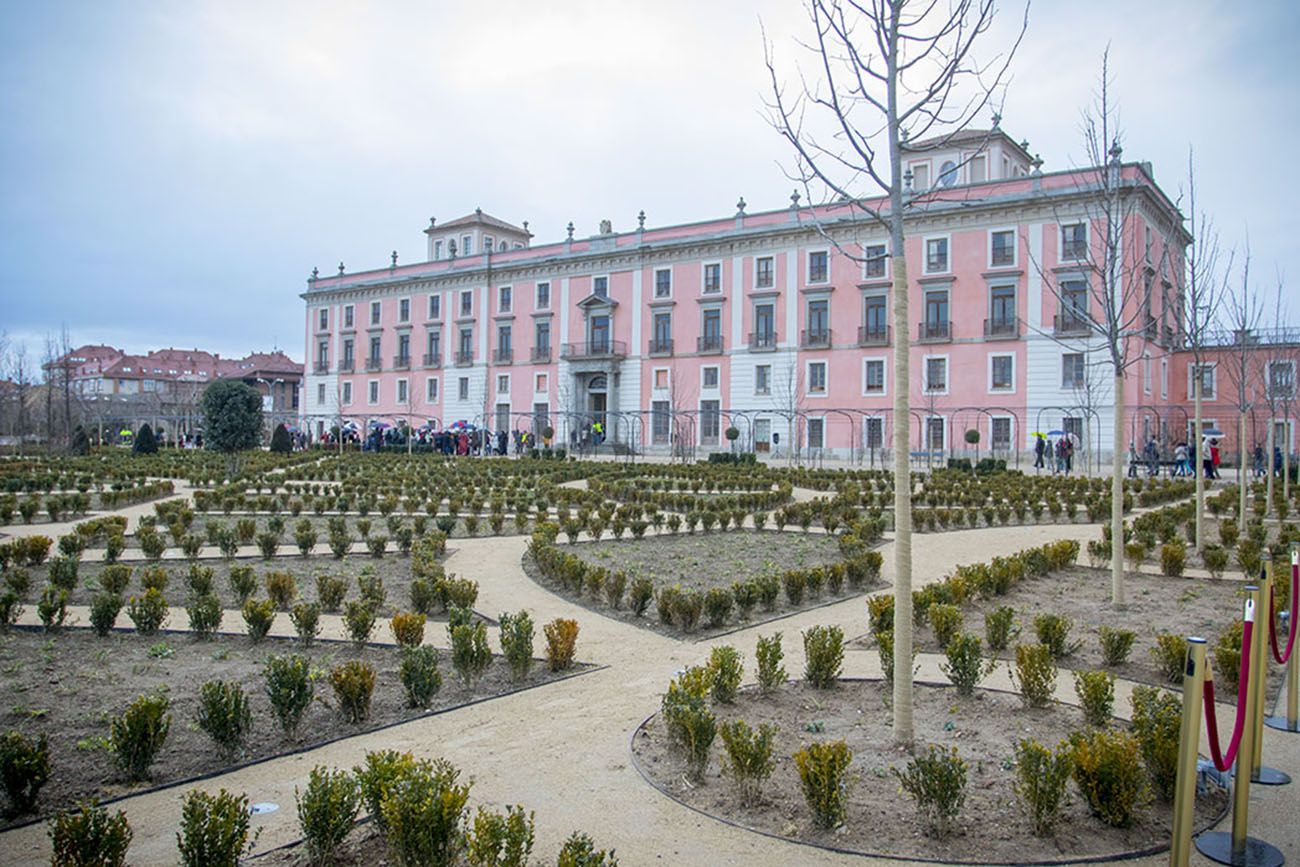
(779, 323)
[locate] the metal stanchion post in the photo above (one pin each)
(1180, 848)
(1237, 848)
(1259, 772)
(1290, 722)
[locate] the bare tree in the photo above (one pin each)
(897, 70)
(788, 392)
(1200, 302)
(1240, 313)
(1278, 377)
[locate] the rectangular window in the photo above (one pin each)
(920, 177)
(763, 379)
(1164, 377)
(936, 255)
(600, 287)
(347, 316)
(764, 272)
(875, 319)
(1208, 381)
(373, 396)
(403, 349)
(323, 354)
(1002, 253)
(936, 323)
(374, 351)
(404, 310)
(435, 306)
(598, 333)
(874, 261)
(437, 250)
(504, 299)
(936, 375)
(661, 340)
(543, 296)
(817, 377)
(540, 383)
(1281, 379)
(660, 422)
(431, 389)
(1000, 433)
(376, 311)
(320, 394)
(935, 431)
(505, 343)
(541, 417)
(816, 433)
(818, 271)
(978, 169)
(1074, 241)
(401, 391)
(661, 377)
(466, 349)
(711, 330)
(873, 433)
(1146, 373)
(324, 319)
(462, 388)
(503, 384)
(712, 278)
(1073, 427)
(1002, 372)
(873, 376)
(488, 240)
(467, 303)
(663, 283)
(542, 341)
(710, 377)
(503, 416)
(466, 244)
(710, 422)
(819, 318)
(433, 347)
(347, 394)
(1072, 375)
(764, 325)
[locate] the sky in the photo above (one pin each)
(170, 173)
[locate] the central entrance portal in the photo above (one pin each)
(598, 400)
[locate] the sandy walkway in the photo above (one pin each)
(562, 750)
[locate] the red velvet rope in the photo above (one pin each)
(1222, 761)
(1282, 658)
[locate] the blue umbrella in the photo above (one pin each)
(1056, 433)
(1213, 432)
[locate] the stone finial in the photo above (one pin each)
(340, 269)
(1115, 151)
(394, 260)
(478, 212)
(432, 222)
(997, 120)
(315, 274)
(525, 226)
(1024, 145)
(640, 219)
(569, 229)
(794, 200)
(740, 206)
(1037, 163)
(907, 181)
(451, 248)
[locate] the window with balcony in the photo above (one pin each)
(816, 377)
(505, 344)
(600, 286)
(875, 320)
(764, 336)
(322, 356)
(764, 272)
(433, 349)
(403, 351)
(818, 332)
(936, 375)
(712, 278)
(431, 389)
(874, 261)
(348, 361)
(1072, 372)
(711, 331)
(936, 255)
(1002, 321)
(1074, 242)
(465, 348)
(762, 379)
(598, 336)
(435, 306)
(374, 361)
(1002, 372)
(661, 340)
(937, 324)
(818, 268)
(1002, 248)
(873, 376)
(543, 296)
(376, 312)
(505, 298)
(1073, 316)
(467, 303)
(542, 341)
(347, 316)
(663, 283)
(404, 310)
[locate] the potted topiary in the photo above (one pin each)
(973, 439)
(732, 433)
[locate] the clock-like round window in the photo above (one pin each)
(948, 174)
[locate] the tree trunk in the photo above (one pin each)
(1197, 464)
(902, 509)
(1117, 598)
(1242, 481)
(1268, 467)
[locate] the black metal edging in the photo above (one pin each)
(208, 775)
(840, 850)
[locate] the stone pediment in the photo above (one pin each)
(597, 302)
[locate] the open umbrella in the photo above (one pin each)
(1056, 433)
(1213, 432)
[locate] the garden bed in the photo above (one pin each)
(700, 562)
(66, 685)
(992, 827)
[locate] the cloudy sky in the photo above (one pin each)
(171, 172)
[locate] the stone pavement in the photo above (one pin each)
(563, 750)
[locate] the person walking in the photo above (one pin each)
(1180, 460)
(1258, 469)
(1133, 461)
(1040, 446)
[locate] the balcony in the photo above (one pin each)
(1069, 323)
(873, 335)
(709, 344)
(934, 331)
(321, 367)
(661, 346)
(347, 365)
(760, 341)
(815, 338)
(594, 349)
(465, 358)
(540, 355)
(1002, 328)
(373, 364)
(432, 359)
(503, 356)
(401, 362)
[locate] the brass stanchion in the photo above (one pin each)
(1180, 847)
(1238, 848)
(1291, 721)
(1259, 772)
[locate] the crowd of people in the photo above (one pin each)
(460, 440)
(1057, 456)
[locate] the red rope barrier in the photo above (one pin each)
(1224, 761)
(1282, 658)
